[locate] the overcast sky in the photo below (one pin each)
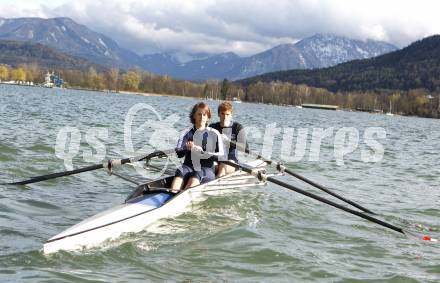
(244, 27)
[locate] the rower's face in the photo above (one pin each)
(225, 116)
(201, 116)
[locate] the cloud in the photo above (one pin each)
(22, 8)
(244, 27)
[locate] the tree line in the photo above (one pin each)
(419, 102)
(16, 74)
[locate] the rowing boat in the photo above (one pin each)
(148, 203)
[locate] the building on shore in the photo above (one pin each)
(52, 80)
(434, 105)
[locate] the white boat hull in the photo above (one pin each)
(132, 217)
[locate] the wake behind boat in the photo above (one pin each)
(148, 203)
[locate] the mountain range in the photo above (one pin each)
(78, 40)
(415, 66)
(15, 53)
(317, 51)
(69, 37)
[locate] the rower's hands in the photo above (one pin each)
(191, 146)
(197, 148)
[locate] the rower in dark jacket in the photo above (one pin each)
(200, 146)
(232, 131)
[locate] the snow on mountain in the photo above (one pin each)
(317, 51)
(329, 50)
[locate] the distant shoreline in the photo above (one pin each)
(154, 94)
(124, 92)
(104, 90)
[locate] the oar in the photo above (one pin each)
(108, 165)
(263, 177)
(322, 188)
(282, 168)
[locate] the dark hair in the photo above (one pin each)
(200, 105)
(224, 106)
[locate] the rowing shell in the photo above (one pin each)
(146, 204)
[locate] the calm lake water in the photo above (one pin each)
(266, 234)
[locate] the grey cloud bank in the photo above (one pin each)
(243, 27)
